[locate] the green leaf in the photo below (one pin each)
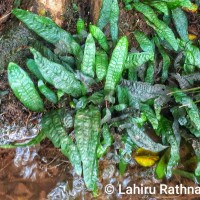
(82, 103)
(97, 98)
(178, 3)
(116, 65)
(150, 73)
(104, 13)
(101, 62)
(138, 136)
(150, 115)
(48, 93)
(88, 64)
(30, 63)
(87, 133)
(181, 23)
(36, 140)
(107, 141)
(188, 175)
(58, 76)
(70, 150)
(122, 95)
(65, 61)
(190, 107)
(99, 36)
(114, 18)
(159, 26)
(52, 127)
(80, 25)
(137, 59)
(125, 153)
(162, 165)
(191, 54)
(48, 30)
(166, 60)
(161, 6)
(24, 88)
(145, 44)
(166, 131)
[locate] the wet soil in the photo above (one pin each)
(41, 172)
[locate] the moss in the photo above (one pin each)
(14, 44)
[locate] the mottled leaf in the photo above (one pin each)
(58, 76)
(87, 133)
(47, 92)
(101, 62)
(88, 64)
(23, 88)
(99, 36)
(116, 65)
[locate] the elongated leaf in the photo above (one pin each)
(116, 65)
(97, 98)
(125, 153)
(166, 60)
(99, 36)
(162, 165)
(149, 78)
(114, 18)
(52, 127)
(142, 140)
(138, 59)
(80, 25)
(181, 23)
(186, 81)
(70, 150)
(143, 40)
(24, 88)
(165, 129)
(88, 64)
(150, 115)
(101, 64)
(190, 106)
(87, 130)
(161, 6)
(58, 76)
(107, 141)
(191, 54)
(104, 13)
(36, 140)
(177, 3)
(122, 95)
(65, 61)
(144, 91)
(47, 92)
(160, 27)
(48, 30)
(30, 63)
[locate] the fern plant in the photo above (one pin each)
(109, 89)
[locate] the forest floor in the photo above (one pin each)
(33, 173)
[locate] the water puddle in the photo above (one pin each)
(41, 172)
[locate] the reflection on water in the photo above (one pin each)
(41, 172)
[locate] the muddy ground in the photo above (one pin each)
(41, 171)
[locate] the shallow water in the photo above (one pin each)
(41, 172)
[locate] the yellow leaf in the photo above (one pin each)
(193, 9)
(192, 36)
(146, 161)
(146, 158)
